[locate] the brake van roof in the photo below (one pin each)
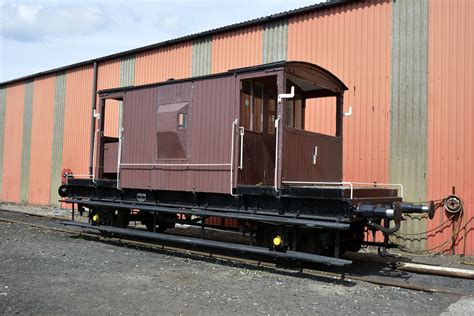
(296, 71)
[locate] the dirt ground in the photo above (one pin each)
(50, 272)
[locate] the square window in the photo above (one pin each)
(182, 120)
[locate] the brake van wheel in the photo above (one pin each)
(161, 225)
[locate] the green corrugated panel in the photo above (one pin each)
(58, 132)
(202, 54)
(3, 101)
(26, 143)
(409, 105)
(127, 71)
(127, 78)
(275, 41)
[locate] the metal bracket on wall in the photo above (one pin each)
(347, 114)
(96, 114)
(287, 95)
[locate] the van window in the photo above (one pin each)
(246, 104)
(251, 105)
(182, 120)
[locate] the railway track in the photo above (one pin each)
(343, 276)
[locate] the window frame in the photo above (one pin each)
(298, 93)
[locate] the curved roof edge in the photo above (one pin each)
(334, 83)
(257, 21)
(326, 74)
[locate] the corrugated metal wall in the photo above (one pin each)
(275, 41)
(353, 42)
(3, 101)
(108, 74)
(201, 57)
(13, 141)
(26, 144)
(409, 110)
(451, 111)
(163, 64)
(235, 49)
(77, 120)
(378, 49)
(58, 131)
(320, 116)
(127, 78)
(41, 141)
(127, 71)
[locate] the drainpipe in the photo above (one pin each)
(94, 100)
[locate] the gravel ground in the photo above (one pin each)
(49, 272)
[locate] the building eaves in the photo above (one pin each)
(249, 23)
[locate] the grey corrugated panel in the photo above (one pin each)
(275, 41)
(127, 71)
(274, 17)
(201, 57)
(26, 143)
(58, 131)
(127, 78)
(3, 100)
(409, 105)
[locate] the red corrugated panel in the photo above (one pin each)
(108, 77)
(163, 64)
(42, 140)
(240, 48)
(451, 111)
(320, 116)
(353, 42)
(13, 143)
(77, 120)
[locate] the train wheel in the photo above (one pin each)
(161, 225)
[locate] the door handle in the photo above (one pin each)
(315, 154)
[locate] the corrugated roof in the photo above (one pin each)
(269, 18)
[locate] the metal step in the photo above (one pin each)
(203, 244)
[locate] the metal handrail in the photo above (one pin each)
(178, 164)
(277, 141)
(242, 133)
(76, 176)
(376, 184)
(347, 184)
(119, 158)
(234, 124)
(324, 184)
